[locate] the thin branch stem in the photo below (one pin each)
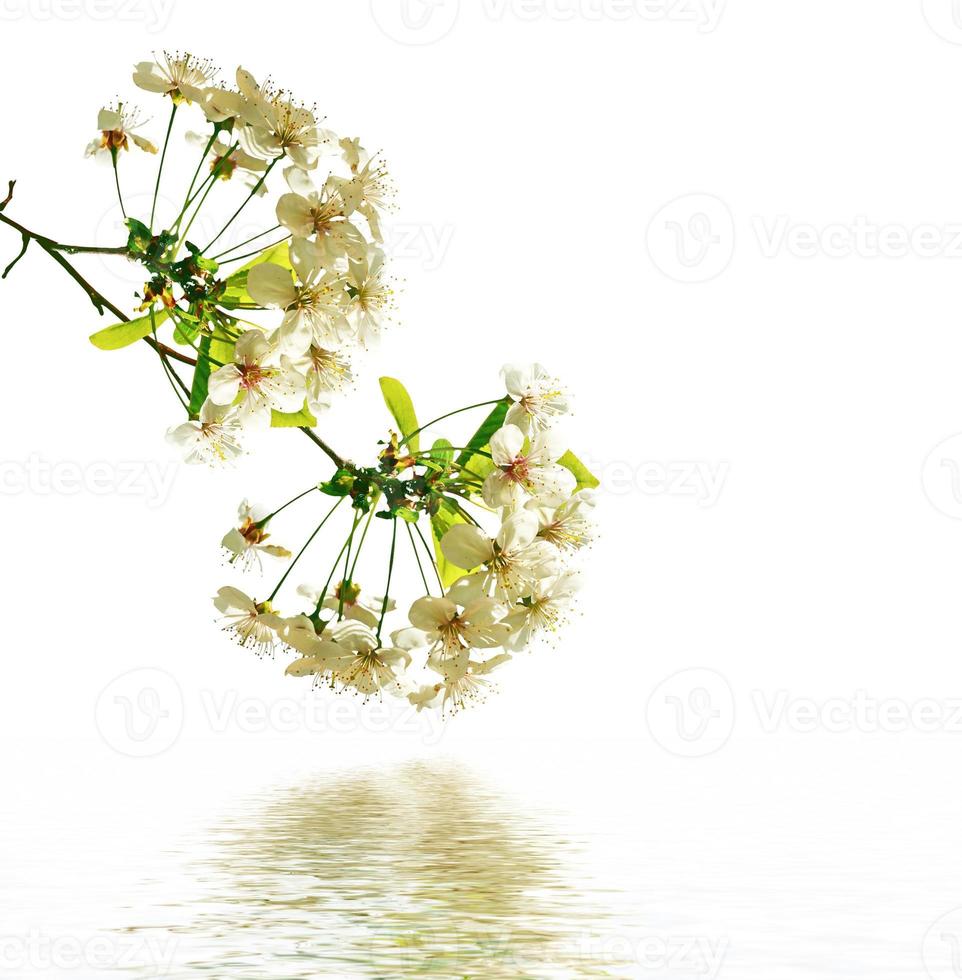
(120, 196)
(345, 579)
(300, 554)
(160, 169)
(254, 190)
(193, 180)
(234, 248)
(390, 573)
(360, 544)
(259, 251)
(417, 558)
(441, 418)
(434, 564)
(293, 500)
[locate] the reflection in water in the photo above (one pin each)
(419, 871)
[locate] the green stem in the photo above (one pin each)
(208, 182)
(160, 169)
(360, 544)
(259, 251)
(327, 584)
(290, 567)
(417, 558)
(254, 190)
(120, 196)
(293, 500)
(234, 248)
(387, 588)
(457, 449)
(345, 579)
(193, 180)
(168, 370)
(441, 418)
(434, 564)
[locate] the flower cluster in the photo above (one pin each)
(498, 587)
(273, 338)
(268, 343)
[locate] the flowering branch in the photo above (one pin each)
(269, 345)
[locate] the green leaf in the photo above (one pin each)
(198, 387)
(212, 354)
(236, 293)
(293, 420)
(442, 452)
(586, 479)
(339, 485)
(186, 330)
(139, 237)
(446, 517)
(481, 465)
(120, 335)
(401, 407)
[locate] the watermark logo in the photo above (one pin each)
(228, 712)
(420, 22)
(415, 22)
(154, 14)
(945, 18)
(424, 245)
(942, 947)
(692, 713)
(40, 477)
(692, 239)
(859, 238)
(700, 480)
(141, 713)
(36, 951)
(942, 477)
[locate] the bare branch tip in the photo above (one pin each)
(10, 186)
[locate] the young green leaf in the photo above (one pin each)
(213, 353)
(119, 335)
(293, 420)
(442, 452)
(469, 460)
(446, 517)
(586, 479)
(401, 407)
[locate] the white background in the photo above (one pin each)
(735, 231)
